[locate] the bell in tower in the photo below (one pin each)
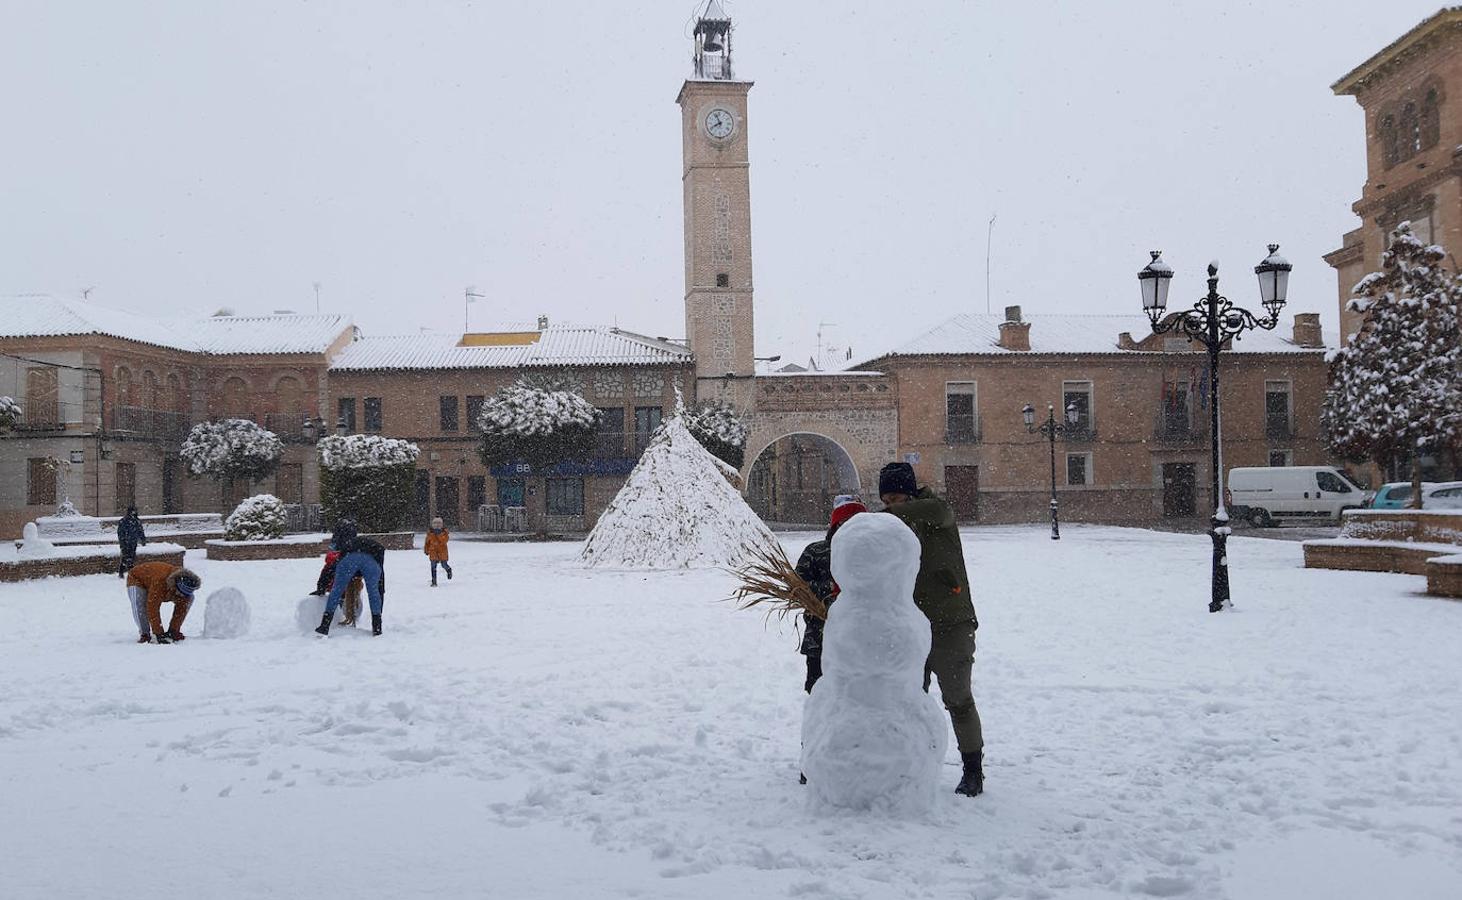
(713, 43)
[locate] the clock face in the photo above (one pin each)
(720, 123)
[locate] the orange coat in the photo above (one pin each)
(154, 577)
(436, 545)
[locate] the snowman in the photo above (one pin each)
(872, 739)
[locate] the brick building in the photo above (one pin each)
(429, 388)
(1139, 450)
(112, 395)
(1411, 94)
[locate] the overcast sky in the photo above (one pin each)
(182, 156)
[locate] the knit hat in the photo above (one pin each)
(897, 478)
(845, 511)
(186, 582)
(437, 523)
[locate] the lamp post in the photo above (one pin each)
(1052, 429)
(1212, 321)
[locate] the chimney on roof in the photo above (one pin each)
(1014, 334)
(542, 323)
(1307, 330)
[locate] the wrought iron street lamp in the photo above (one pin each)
(1052, 429)
(1212, 322)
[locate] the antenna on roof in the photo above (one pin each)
(469, 295)
(989, 233)
(317, 298)
(86, 292)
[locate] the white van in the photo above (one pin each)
(1274, 495)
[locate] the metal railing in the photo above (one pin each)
(157, 423)
(1083, 432)
(39, 415)
(961, 429)
(1178, 430)
(1279, 429)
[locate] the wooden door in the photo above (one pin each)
(962, 490)
(1179, 490)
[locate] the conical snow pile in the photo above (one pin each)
(676, 511)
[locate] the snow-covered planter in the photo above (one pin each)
(231, 448)
(9, 413)
(368, 478)
(258, 518)
(540, 426)
(677, 510)
(720, 430)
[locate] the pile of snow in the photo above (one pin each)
(676, 511)
(230, 447)
(530, 411)
(258, 518)
(226, 614)
(33, 545)
(311, 609)
(365, 451)
(872, 739)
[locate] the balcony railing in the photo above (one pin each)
(1279, 429)
(609, 445)
(286, 427)
(40, 415)
(1178, 431)
(961, 430)
(154, 423)
(1083, 432)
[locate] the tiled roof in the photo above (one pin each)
(974, 333)
(216, 335)
(557, 345)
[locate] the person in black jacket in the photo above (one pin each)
(129, 535)
(814, 566)
(359, 556)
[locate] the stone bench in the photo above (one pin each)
(83, 560)
(297, 546)
(1373, 556)
(1444, 576)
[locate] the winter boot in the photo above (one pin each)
(144, 639)
(324, 629)
(433, 582)
(176, 635)
(164, 639)
(375, 625)
(449, 571)
(972, 784)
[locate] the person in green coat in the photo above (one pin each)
(942, 593)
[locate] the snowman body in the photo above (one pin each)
(872, 739)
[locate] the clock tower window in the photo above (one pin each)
(723, 280)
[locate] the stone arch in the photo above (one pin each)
(794, 476)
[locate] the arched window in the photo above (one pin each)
(1431, 126)
(1390, 141)
(1410, 131)
(149, 389)
(236, 398)
(177, 400)
(124, 386)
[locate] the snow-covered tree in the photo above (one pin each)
(9, 413)
(257, 518)
(231, 448)
(368, 478)
(536, 425)
(1397, 389)
(719, 429)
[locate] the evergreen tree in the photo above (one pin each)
(231, 449)
(719, 429)
(537, 425)
(1397, 389)
(369, 478)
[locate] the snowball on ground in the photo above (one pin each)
(872, 739)
(226, 614)
(676, 511)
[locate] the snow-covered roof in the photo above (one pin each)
(557, 345)
(975, 333)
(216, 335)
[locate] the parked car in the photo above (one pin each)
(1443, 495)
(1397, 495)
(1275, 495)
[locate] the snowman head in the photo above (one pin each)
(875, 555)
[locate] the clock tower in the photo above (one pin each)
(717, 188)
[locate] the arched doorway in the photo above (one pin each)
(796, 477)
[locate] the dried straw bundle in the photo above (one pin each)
(770, 578)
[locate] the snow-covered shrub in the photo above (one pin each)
(231, 448)
(258, 518)
(719, 429)
(536, 425)
(1396, 391)
(368, 478)
(9, 412)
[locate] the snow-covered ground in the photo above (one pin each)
(534, 730)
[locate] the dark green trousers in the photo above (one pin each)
(951, 657)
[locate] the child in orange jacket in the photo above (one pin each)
(436, 549)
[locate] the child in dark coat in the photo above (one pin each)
(814, 566)
(129, 535)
